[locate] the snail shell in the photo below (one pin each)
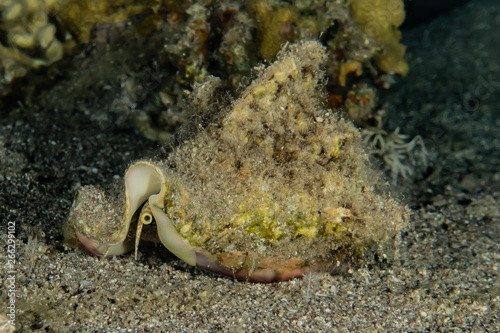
(277, 187)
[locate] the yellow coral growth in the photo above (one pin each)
(275, 25)
(81, 15)
(380, 20)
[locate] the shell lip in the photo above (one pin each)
(257, 275)
(99, 249)
(89, 245)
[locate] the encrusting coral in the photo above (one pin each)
(275, 187)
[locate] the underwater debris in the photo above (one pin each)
(276, 187)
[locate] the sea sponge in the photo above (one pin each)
(380, 20)
(275, 26)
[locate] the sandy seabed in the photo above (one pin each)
(446, 278)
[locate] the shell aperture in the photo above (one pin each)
(145, 181)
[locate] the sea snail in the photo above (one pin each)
(276, 187)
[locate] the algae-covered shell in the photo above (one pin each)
(275, 187)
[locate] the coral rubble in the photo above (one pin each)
(189, 40)
(26, 26)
